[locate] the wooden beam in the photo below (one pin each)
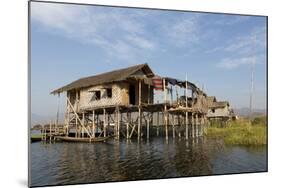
(77, 116)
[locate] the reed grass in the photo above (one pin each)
(241, 132)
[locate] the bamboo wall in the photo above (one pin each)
(120, 95)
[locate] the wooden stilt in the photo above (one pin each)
(127, 125)
(115, 123)
(192, 124)
(196, 125)
(186, 113)
(94, 125)
(118, 123)
(139, 111)
(173, 120)
(157, 124)
(104, 123)
(83, 124)
(50, 129)
(68, 114)
(147, 129)
(165, 109)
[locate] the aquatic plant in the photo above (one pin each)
(241, 132)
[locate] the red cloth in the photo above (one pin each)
(157, 83)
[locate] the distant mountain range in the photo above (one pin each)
(245, 112)
(41, 119)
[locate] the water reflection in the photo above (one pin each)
(69, 163)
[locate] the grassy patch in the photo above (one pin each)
(241, 132)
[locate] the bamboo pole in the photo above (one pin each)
(147, 129)
(94, 125)
(118, 122)
(68, 112)
(139, 113)
(104, 123)
(83, 124)
(173, 117)
(196, 125)
(76, 126)
(77, 116)
(186, 113)
(165, 109)
(148, 101)
(127, 126)
(157, 129)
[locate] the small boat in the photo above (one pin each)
(73, 139)
(35, 138)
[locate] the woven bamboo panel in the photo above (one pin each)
(119, 96)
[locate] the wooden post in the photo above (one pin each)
(173, 120)
(165, 109)
(147, 128)
(186, 113)
(68, 112)
(76, 126)
(127, 126)
(45, 133)
(196, 125)
(139, 107)
(94, 126)
(83, 123)
(104, 123)
(118, 122)
(157, 128)
(50, 131)
(115, 123)
(148, 101)
(177, 94)
(192, 124)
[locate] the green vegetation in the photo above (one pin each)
(36, 136)
(241, 132)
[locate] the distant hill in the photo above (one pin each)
(41, 119)
(245, 112)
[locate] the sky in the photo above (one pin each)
(215, 51)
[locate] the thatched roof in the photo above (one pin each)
(108, 77)
(211, 100)
(220, 104)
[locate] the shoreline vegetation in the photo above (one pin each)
(241, 132)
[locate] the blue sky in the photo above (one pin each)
(214, 50)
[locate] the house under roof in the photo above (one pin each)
(220, 104)
(108, 77)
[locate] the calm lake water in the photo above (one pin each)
(72, 163)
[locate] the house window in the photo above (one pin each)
(109, 92)
(213, 110)
(96, 96)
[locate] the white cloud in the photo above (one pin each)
(141, 42)
(229, 20)
(232, 63)
(243, 44)
(99, 26)
(184, 31)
